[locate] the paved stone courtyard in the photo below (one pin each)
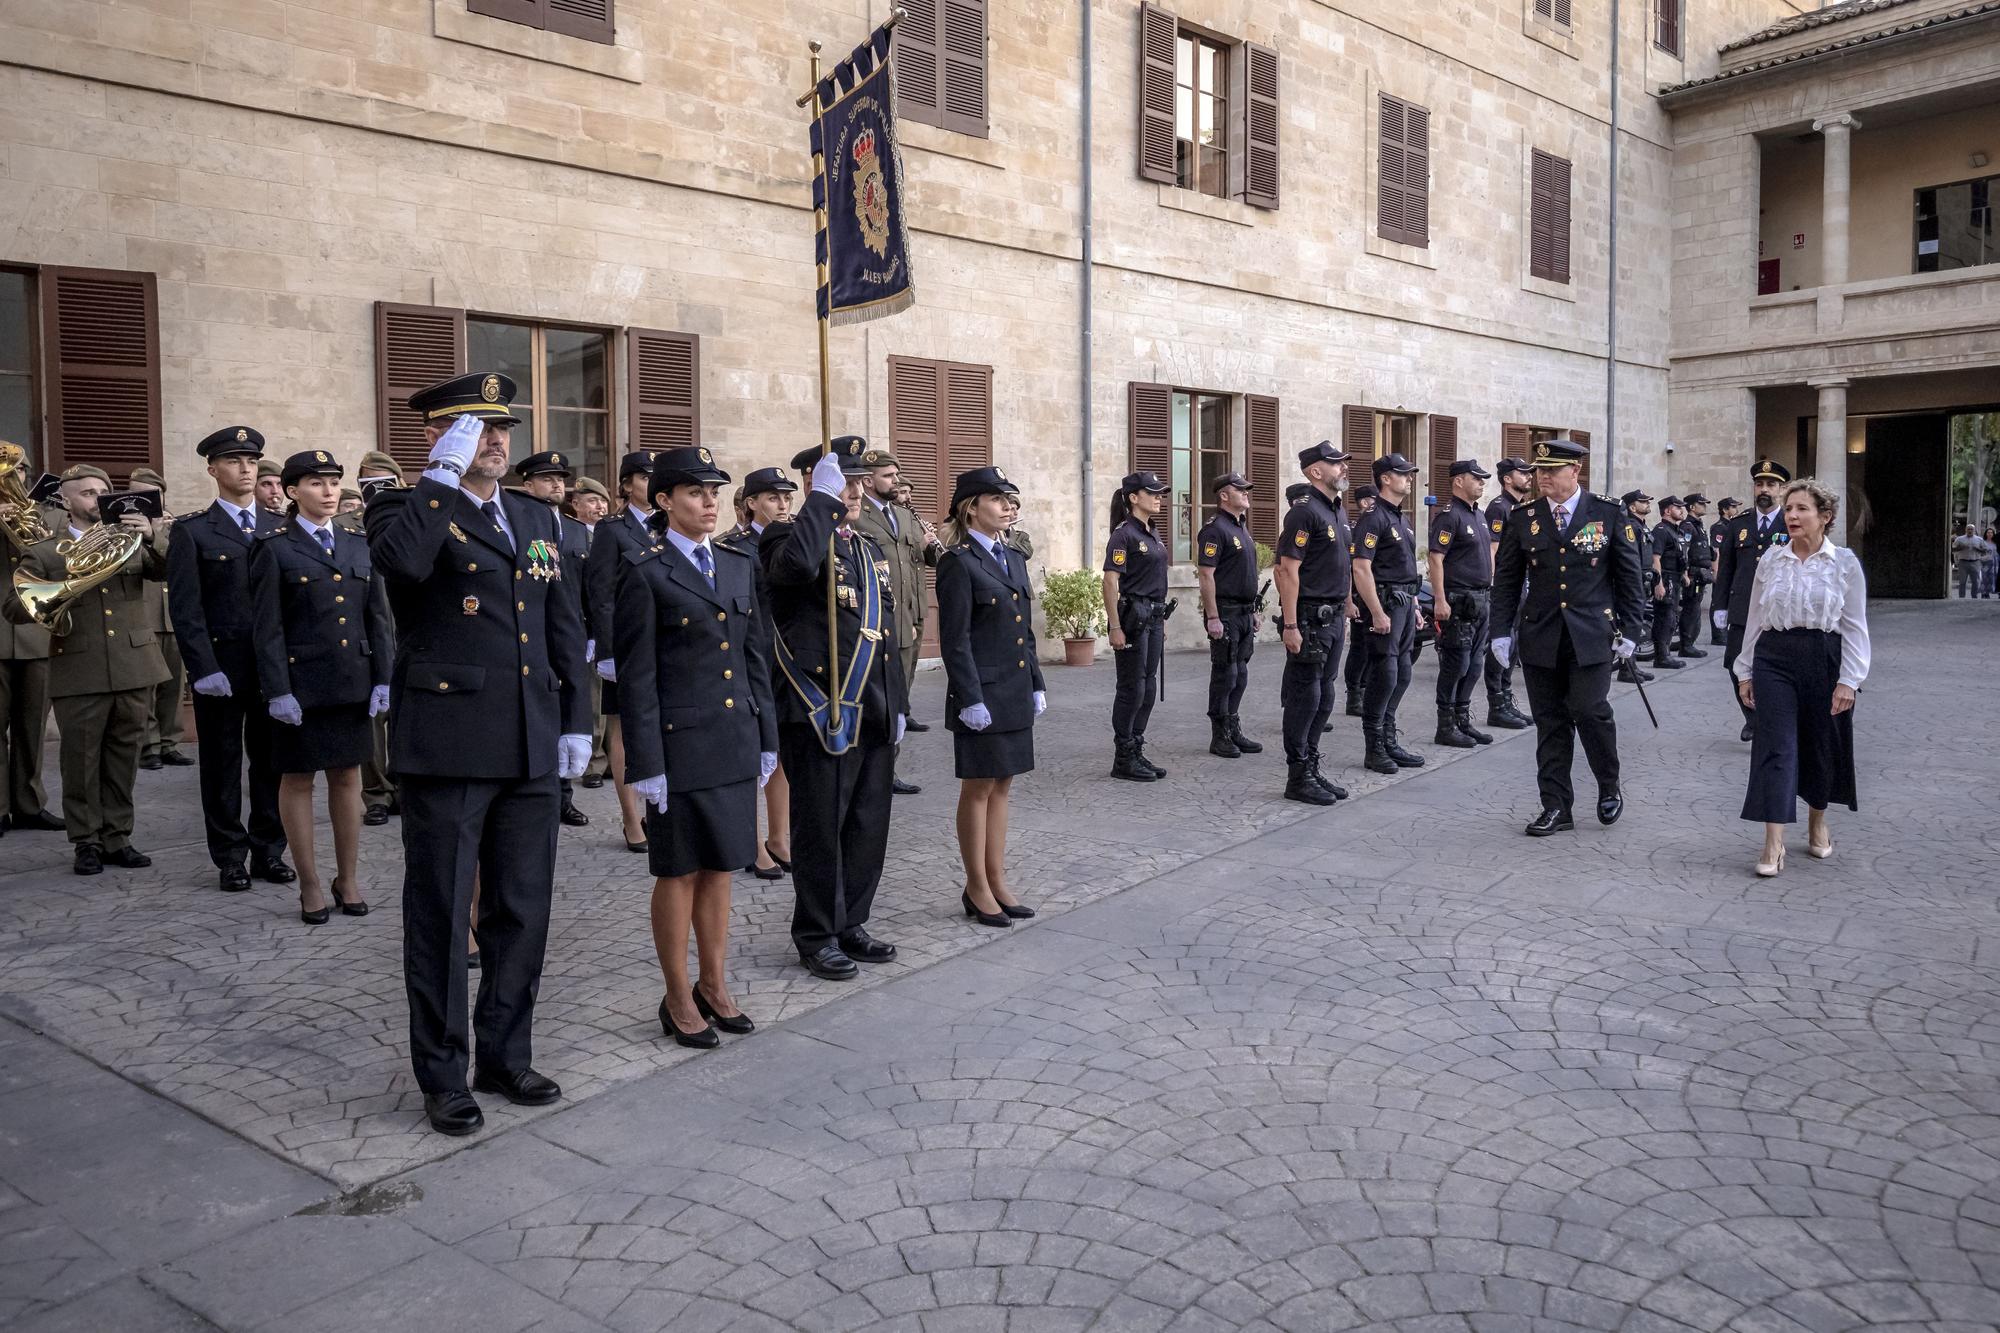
(1384, 1066)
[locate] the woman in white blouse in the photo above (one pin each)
(1805, 653)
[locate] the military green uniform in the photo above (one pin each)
(163, 717)
(24, 708)
(102, 675)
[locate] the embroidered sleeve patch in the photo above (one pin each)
(1497, 525)
(1208, 549)
(1117, 557)
(1299, 540)
(1369, 541)
(1444, 539)
(1629, 535)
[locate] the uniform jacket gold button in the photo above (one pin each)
(524, 638)
(343, 620)
(443, 684)
(722, 615)
(338, 598)
(520, 606)
(472, 569)
(729, 703)
(727, 674)
(725, 645)
(111, 634)
(1021, 664)
(343, 643)
(291, 659)
(684, 620)
(524, 671)
(336, 578)
(434, 504)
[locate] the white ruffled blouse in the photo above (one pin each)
(1823, 591)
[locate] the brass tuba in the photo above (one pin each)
(21, 522)
(89, 560)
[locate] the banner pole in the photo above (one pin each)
(823, 275)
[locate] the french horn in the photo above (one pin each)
(88, 561)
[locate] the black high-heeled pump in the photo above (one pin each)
(347, 908)
(1019, 911)
(783, 864)
(704, 1040)
(766, 872)
(319, 918)
(998, 920)
(739, 1026)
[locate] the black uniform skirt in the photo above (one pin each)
(1798, 748)
(336, 736)
(714, 828)
(993, 754)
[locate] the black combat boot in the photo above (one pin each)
(1139, 758)
(1394, 747)
(1299, 785)
(1664, 660)
(1334, 789)
(1126, 766)
(1448, 733)
(1239, 740)
(1354, 706)
(1463, 714)
(1377, 758)
(1500, 713)
(1220, 743)
(1689, 650)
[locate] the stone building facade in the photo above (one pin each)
(625, 218)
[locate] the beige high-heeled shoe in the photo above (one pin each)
(1766, 869)
(1819, 851)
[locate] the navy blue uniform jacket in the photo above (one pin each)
(322, 620)
(1576, 579)
(208, 596)
(986, 632)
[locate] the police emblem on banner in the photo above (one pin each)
(864, 246)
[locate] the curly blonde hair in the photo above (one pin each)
(1822, 495)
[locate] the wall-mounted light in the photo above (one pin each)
(1977, 160)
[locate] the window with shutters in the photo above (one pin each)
(941, 72)
(562, 381)
(588, 19)
(99, 349)
(1201, 114)
(1443, 453)
(1667, 25)
(1368, 433)
(20, 421)
(1183, 437)
(1262, 466)
(940, 424)
(1519, 441)
(1208, 111)
(1553, 11)
(1548, 217)
(1403, 172)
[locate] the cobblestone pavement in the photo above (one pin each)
(1384, 1066)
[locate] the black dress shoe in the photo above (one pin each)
(830, 964)
(642, 846)
(523, 1087)
(453, 1113)
(1609, 807)
(235, 879)
(41, 821)
(376, 815)
(1550, 821)
(591, 780)
(150, 763)
(738, 1026)
(783, 864)
(356, 908)
(702, 1039)
(861, 947)
(902, 788)
(128, 857)
(766, 872)
(911, 724)
(572, 816)
(89, 860)
(173, 757)
(272, 871)
(1749, 730)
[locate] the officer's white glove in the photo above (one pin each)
(654, 790)
(1502, 649)
(572, 755)
(459, 442)
(214, 685)
(1721, 619)
(285, 708)
(378, 701)
(976, 716)
(767, 764)
(608, 670)
(589, 650)
(1041, 702)
(1622, 648)
(828, 479)
(897, 738)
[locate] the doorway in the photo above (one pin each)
(1899, 487)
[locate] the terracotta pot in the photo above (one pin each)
(1079, 652)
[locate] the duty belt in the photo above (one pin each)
(1235, 603)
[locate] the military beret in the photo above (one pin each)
(592, 486)
(377, 461)
(269, 467)
(483, 394)
(85, 471)
(231, 440)
(145, 476)
(310, 463)
(349, 493)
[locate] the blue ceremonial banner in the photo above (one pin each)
(864, 248)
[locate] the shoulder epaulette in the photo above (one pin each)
(274, 532)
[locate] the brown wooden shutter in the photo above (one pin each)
(1158, 30)
(1403, 176)
(533, 13)
(1557, 11)
(1267, 499)
(101, 350)
(919, 90)
(1562, 12)
(1444, 452)
(1667, 36)
(1548, 217)
(1582, 437)
(588, 19)
(1258, 152)
(968, 421)
(1516, 441)
(963, 79)
(1357, 441)
(1150, 414)
(917, 432)
(415, 346)
(663, 385)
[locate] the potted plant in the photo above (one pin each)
(1073, 603)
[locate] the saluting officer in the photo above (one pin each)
(1517, 487)
(1364, 500)
(1385, 584)
(1315, 595)
(622, 533)
(1135, 592)
(208, 589)
(1227, 571)
(1578, 556)
(546, 476)
(489, 713)
(1743, 544)
(1701, 572)
(1670, 552)
(1461, 572)
(848, 692)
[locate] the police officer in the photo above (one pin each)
(1701, 571)
(208, 588)
(1364, 500)
(766, 498)
(489, 713)
(588, 505)
(1639, 508)
(1568, 565)
(1385, 586)
(1718, 598)
(1743, 544)
(1517, 487)
(844, 693)
(615, 538)
(1670, 551)
(1226, 567)
(1314, 579)
(546, 476)
(1135, 590)
(1461, 575)
(911, 544)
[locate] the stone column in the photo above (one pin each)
(1839, 131)
(1830, 460)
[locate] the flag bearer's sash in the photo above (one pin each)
(837, 718)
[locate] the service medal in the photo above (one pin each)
(470, 606)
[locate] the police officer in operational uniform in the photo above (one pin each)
(1670, 549)
(1701, 571)
(1461, 576)
(852, 683)
(208, 588)
(1743, 544)
(615, 538)
(1578, 556)
(103, 665)
(1135, 608)
(546, 476)
(1226, 567)
(1314, 579)
(911, 546)
(1364, 499)
(1517, 487)
(1639, 508)
(489, 712)
(1718, 598)
(1385, 587)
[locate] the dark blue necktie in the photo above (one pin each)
(705, 564)
(492, 511)
(249, 525)
(999, 559)
(326, 541)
